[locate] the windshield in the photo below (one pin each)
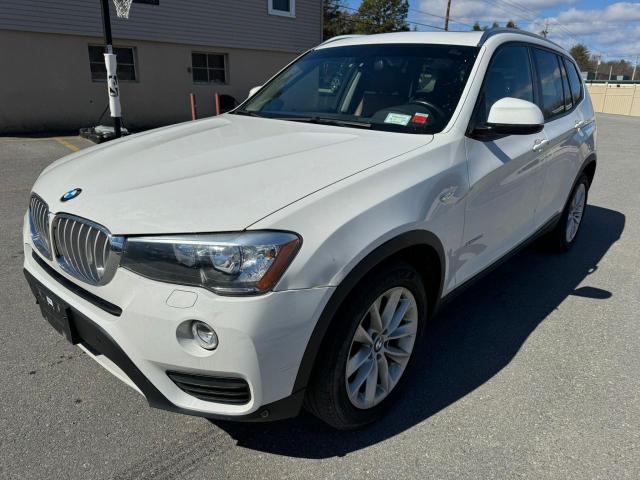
(410, 88)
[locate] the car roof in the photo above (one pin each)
(470, 39)
(434, 38)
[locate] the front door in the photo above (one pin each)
(506, 174)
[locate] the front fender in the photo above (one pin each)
(343, 223)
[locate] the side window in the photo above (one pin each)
(209, 67)
(125, 56)
(552, 101)
(568, 98)
(284, 8)
(574, 81)
(509, 75)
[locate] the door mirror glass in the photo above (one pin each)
(513, 116)
(254, 90)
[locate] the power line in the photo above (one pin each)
(568, 32)
(555, 21)
(504, 9)
(521, 7)
(422, 12)
(453, 20)
(520, 16)
(411, 22)
(506, 6)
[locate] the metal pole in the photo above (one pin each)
(216, 100)
(635, 67)
(106, 22)
(610, 72)
(446, 18)
(111, 64)
(194, 108)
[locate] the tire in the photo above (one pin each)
(564, 235)
(328, 395)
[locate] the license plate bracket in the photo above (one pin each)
(55, 311)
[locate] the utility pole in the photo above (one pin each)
(446, 18)
(112, 67)
(545, 32)
(599, 58)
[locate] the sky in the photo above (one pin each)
(608, 27)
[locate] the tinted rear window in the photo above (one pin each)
(574, 81)
(550, 82)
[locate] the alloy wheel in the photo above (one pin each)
(576, 212)
(381, 347)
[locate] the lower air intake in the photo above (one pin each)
(234, 391)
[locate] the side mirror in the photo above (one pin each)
(254, 90)
(512, 116)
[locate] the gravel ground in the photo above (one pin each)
(533, 373)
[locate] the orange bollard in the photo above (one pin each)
(216, 97)
(194, 110)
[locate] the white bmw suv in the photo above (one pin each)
(293, 251)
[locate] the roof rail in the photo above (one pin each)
(492, 32)
(340, 37)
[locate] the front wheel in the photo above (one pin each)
(370, 348)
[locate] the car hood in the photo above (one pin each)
(219, 174)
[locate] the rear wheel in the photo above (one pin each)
(566, 232)
(370, 348)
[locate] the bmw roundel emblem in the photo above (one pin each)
(71, 194)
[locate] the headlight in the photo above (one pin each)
(242, 263)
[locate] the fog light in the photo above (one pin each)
(204, 335)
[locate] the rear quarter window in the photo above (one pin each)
(574, 81)
(568, 97)
(550, 78)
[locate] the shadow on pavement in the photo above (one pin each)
(476, 336)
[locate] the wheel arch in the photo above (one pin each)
(589, 167)
(420, 248)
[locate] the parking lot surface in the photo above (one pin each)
(533, 373)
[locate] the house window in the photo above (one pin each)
(209, 67)
(125, 57)
(284, 8)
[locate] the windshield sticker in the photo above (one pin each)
(398, 119)
(420, 118)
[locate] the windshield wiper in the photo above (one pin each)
(326, 121)
(247, 113)
(315, 119)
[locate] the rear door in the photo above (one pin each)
(562, 129)
(505, 173)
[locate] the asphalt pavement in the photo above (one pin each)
(533, 373)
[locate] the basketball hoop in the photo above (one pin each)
(122, 7)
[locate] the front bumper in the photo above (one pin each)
(261, 339)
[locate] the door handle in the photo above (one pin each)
(540, 144)
(581, 124)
